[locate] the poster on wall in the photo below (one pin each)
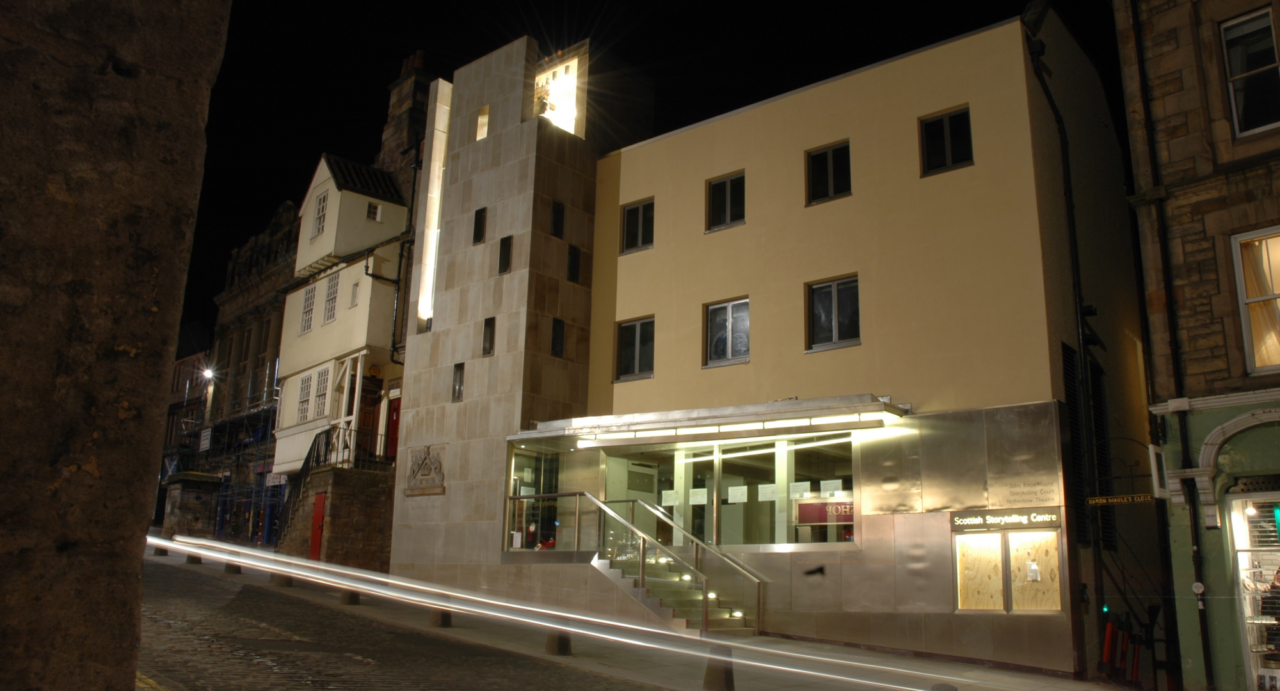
(832, 487)
(670, 497)
(799, 489)
(767, 492)
(206, 436)
(698, 497)
(738, 494)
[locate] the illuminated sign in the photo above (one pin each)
(1119, 499)
(827, 512)
(1006, 519)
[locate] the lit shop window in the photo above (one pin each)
(556, 95)
(999, 568)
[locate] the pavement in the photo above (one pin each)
(204, 629)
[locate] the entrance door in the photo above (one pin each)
(367, 420)
(393, 429)
(317, 527)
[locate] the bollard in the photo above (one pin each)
(282, 580)
(349, 597)
(440, 618)
(231, 568)
(719, 676)
(160, 552)
(193, 559)
(942, 687)
(558, 643)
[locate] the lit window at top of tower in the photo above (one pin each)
(556, 95)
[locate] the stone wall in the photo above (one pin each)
(191, 505)
(357, 518)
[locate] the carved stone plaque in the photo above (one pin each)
(426, 471)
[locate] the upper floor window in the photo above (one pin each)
(557, 219)
(308, 308)
(945, 142)
(829, 175)
(373, 212)
(726, 201)
(728, 332)
(487, 336)
(355, 293)
(574, 273)
(557, 337)
(478, 229)
(304, 398)
(635, 349)
(322, 205)
(322, 392)
(482, 123)
(1252, 71)
(331, 299)
(1257, 257)
(833, 314)
(637, 226)
(504, 255)
(459, 371)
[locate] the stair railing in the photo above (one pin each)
(317, 455)
(605, 544)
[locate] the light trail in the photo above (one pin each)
(441, 597)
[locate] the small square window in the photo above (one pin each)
(575, 264)
(557, 337)
(504, 255)
(726, 201)
(374, 212)
(637, 226)
(833, 314)
(945, 142)
(1252, 72)
(458, 372)
(635, 349)
(829, 175)
(477, 231)
(486, 340)
(482, 123)
(728, 332)
(557, 219)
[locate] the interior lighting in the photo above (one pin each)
(656, 433)
(711, 596)
(686, 577)
(1250, 511)
(775, 424)
(835, 419)
(737, 613)
(742, 427)
(697, 430)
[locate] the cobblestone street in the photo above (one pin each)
(200, 631)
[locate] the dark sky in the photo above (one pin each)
(301, 79)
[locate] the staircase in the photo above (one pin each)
(666, 591)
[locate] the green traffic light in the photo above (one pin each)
(1105, 609)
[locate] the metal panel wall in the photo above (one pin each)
(953, 461)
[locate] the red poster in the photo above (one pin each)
(831, 512)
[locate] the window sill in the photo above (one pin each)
(728, 363)
(633, 377)
(824, 200)
(835, 346)
(634, 250)
(1265, 372)
(726, 226)
(948, 169)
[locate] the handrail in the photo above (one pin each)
(668, 520)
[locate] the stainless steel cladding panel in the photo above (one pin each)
(1023, 456)
(869, 573)
(922, 552)
(891, 473)
(953, 461)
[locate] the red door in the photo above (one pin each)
(317, 527)
(393, 429)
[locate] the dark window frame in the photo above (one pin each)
(573, 271)
(557, 219)
(1230, 79)
(459, 378)
(557, 338)
(635, 371)
(488, 335)
(729, 221)
(640, 244)
(832, 193)
(708, 342)
(505, 252)
(836, 341)
(480, 226)
(945, 119)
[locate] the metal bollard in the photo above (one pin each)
(719, 676)
(558, 643)
(160, 552)
(439, 618)
(231, 568)
(193, 559)
(349, 597)
(282, 580)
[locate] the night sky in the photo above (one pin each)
(301, 79)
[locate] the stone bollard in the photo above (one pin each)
(942, 687)
(194, 559)
(282, 580)
(440, 618)
(232, 568)
(160, 552)
(349, 597)
(558, 643)
(719, 676)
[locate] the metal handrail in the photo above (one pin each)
(645, 540)
(705, 548)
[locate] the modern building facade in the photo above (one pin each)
(898, 453)
(1202, 91)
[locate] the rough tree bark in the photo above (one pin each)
(102, 112)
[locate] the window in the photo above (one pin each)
(504, 255)
(1008, 571)
(557, 337)
(1252, 72)
(482, 123)
(728, 332)
(457, 381)
(304, 397)
(1257, 257)
(833, 314)
(477, 231)
(829, 173)
(637, 226)
(557, 219)
(322, 391)
(726, 204)
(945, 142)
(331, 299)
(308, 308)
(322, 203)
(575, 264)
(635, 349)
(374, 212)
(355, 293)
(486, 340)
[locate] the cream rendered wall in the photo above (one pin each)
(313, 247)
(355, 231)
(949, 266)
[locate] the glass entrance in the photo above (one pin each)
(1255, 527)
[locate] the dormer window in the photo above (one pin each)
(374, 213)
(322, 203)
